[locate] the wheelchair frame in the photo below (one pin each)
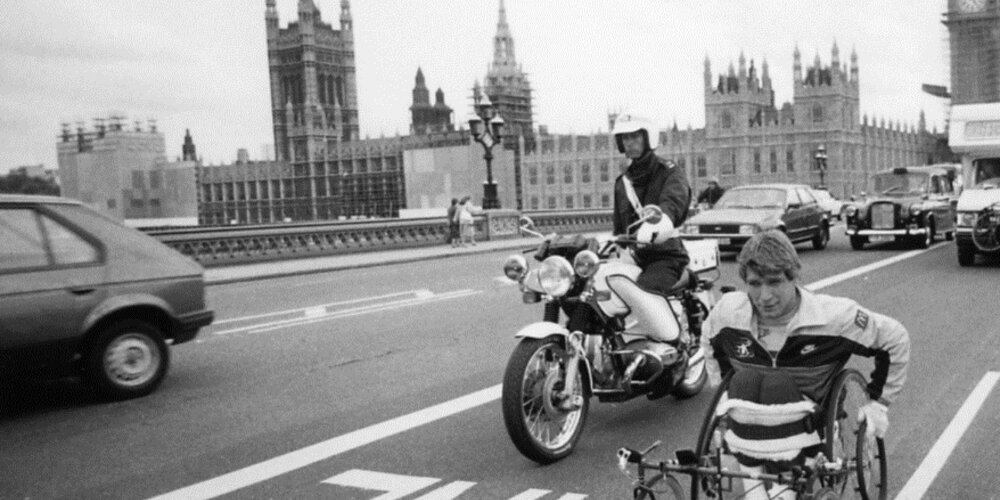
(836, 468)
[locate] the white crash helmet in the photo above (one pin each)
(626, 123)
(649, 233)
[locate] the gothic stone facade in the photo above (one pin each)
(747, 140)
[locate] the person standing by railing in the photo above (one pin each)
(465, 221)
(453, 234)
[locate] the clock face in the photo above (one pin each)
(971, 5)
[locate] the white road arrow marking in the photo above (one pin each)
(449, 491)
(395, 485)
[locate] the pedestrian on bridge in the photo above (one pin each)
(453, 235)
(466, 227)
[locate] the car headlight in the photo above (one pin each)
(915, 209)
(851, 211)
(585, 263)
(749, 228)
(689, 229)
(515, 267)
(966, 218)
(555, 275)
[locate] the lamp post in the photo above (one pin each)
(488, 136)
(821, 163)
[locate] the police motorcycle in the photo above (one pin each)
(618, 342)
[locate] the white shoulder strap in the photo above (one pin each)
(632, 197)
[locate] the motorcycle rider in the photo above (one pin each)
(808, 337)
(712, 193)
(651, 180)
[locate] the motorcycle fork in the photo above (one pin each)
(569, 400)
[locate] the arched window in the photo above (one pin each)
(727, 119)
(817, 113)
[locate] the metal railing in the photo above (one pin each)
(230, 245)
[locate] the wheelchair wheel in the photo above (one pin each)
(707, 446)
(844, 439)
(986, 231)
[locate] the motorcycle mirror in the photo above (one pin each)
(526, 222)
(652, 214)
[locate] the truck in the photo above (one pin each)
(974, 134)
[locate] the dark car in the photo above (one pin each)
(909, 204)
(83, 295)
(745, 210)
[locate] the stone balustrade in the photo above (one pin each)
(230, 245)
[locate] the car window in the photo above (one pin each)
(67, 246)
(806, 196)
(793, 197)
(755, 198)
(22, 245)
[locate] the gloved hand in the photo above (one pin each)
(714, 372)
(877, 416)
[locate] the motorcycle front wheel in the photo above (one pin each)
(538, 421)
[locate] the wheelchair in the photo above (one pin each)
(849, 465)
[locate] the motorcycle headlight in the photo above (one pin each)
(915, 209)
(515, 267)
(966, 218)
(585, 263)
(748, 228)
(851, 211)
(555, 275)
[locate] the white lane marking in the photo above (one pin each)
(572, 496)
(347, 312)
(396, 486)
(368, 310)
(823, 283)
(503, 280)
(938, 455)
(331, 304)
(449, 491)
(309, 455)
(532, 494)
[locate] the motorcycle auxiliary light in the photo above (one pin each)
(555, 275)
(515, 267)
(585, 263)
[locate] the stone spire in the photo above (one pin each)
(503, 43)
(346, 22)
(797, 64)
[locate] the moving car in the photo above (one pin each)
(83, 295)
(911, 204)
(745, 210)
(832, 206)
(976, 138)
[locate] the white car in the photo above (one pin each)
(832, 206)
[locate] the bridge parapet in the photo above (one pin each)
(231, 245)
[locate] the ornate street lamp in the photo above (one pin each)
(488, 136)
(821, 163)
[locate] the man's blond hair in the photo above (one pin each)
(769, 252)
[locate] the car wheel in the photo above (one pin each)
(857, 242)
(822, 237)
(127, 359)
(966, 255)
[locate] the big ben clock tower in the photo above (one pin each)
(974, 33)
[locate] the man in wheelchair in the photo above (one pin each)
(784, 345)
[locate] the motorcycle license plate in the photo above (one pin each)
(881, 238)
(722, 241)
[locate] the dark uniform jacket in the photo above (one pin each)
(656, 182)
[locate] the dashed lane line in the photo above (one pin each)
(922, 478)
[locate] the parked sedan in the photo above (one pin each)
(83, 295)
(912, 204)
(745, 210)
(832, 206)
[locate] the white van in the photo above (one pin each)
(974, 133)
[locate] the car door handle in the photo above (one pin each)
(81, 291)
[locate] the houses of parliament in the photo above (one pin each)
(324, 170)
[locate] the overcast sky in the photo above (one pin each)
(202, 64)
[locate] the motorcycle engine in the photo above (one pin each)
(660, 359)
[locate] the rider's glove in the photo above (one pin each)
(877, 416)
(714, 372)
